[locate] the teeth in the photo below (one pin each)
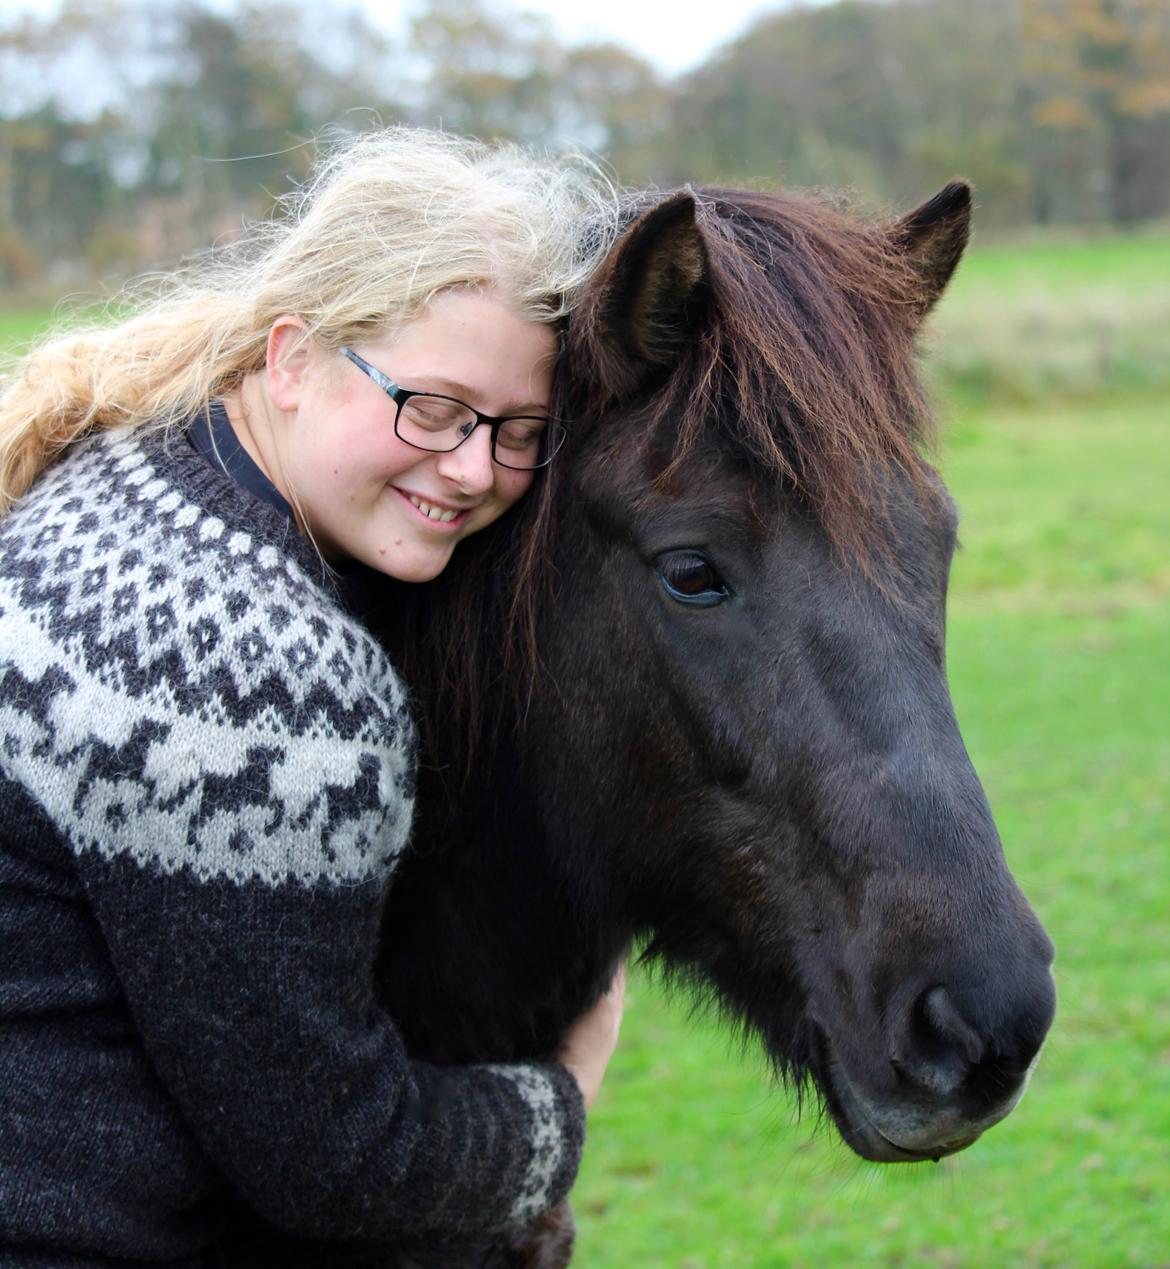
(433, 513)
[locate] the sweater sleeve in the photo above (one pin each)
(256, 1007)
(229, 759)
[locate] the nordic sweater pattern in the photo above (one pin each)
(183, 663)
(206, 771)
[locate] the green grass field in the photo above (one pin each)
(19, 324)
(1059, 653)
(1025, 321)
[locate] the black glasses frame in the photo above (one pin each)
(554, 432)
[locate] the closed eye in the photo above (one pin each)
(690, 578)
(520, 433)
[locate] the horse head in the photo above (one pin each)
(746, 742)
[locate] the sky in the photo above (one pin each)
(672, 34)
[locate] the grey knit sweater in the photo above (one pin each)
(206, 769)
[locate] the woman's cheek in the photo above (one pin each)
(519, 484)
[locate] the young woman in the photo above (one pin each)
(206, 760)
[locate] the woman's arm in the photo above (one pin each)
(256, 1006)
(593, 1038)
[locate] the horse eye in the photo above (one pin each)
(691, 578)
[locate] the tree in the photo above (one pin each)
(189, 120)
(484, 75)
(1099, 99)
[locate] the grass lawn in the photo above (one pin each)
(1025, 320)
(1059, 652)
(19, 324)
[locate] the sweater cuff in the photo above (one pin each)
(556, 1135)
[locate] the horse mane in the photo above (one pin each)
(800, 361)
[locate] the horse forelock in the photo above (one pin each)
(802, 362)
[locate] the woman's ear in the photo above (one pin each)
(287, 361)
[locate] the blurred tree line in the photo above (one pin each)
(132, 131)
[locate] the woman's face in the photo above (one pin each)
(360, 491)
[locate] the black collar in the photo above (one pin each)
(213, 436)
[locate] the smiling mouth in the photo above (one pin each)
(435, 515)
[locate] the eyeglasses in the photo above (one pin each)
(440, 424)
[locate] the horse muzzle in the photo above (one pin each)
(941, 1085)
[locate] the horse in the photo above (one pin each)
(733, 744)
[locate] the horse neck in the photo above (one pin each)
(493, 944)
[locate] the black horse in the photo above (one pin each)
(737, 742)
(732, 739)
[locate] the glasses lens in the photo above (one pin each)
(436, 423)
(523, 443)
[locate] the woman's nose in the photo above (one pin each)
(470, 466)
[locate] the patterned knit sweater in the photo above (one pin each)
(206, 770)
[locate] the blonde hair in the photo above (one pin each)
(386, 222)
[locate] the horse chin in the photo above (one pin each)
(854, 1118)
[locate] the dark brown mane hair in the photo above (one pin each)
(799, 356)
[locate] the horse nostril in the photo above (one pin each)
(939, 1012)
(935, 1046)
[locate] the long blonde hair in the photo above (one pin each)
(386, 222)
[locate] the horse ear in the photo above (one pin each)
(643, 302)
(933, 237)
